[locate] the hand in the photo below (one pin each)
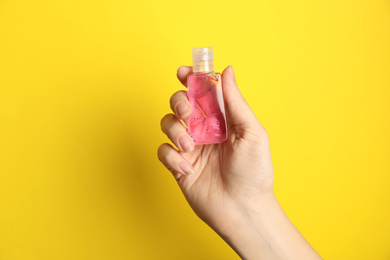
(228, 185)
(224, 176)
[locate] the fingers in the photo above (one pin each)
(182, 74)
(237, 109)
(173, 161)
(177, 133)
(180, 105)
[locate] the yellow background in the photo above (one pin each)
(83, 85)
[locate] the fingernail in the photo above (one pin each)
(183, 110)
(186, 168)
(185, 143)
(232, 73)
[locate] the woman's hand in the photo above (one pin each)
(228, 185)
(218, 178)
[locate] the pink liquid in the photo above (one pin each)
(207, 123)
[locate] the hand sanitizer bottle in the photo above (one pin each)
(207, 122)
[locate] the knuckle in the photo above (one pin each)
(182, 70)
(176, 97)
(172, 100)
(165, 119)
(178, 70)
(161, 151)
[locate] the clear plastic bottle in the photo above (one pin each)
(207, 122)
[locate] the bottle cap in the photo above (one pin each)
(202, 59)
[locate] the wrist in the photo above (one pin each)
(246, 230)
(262, 230)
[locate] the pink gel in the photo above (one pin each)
(207, 123)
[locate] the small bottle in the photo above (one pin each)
(207, 122)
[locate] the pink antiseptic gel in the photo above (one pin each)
(207, 122)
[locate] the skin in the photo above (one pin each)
(230, 185)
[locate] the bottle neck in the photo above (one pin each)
(205, 66)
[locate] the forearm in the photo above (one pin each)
(265, 232)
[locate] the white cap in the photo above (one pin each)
(202, 59)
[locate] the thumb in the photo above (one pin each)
(238, 111)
